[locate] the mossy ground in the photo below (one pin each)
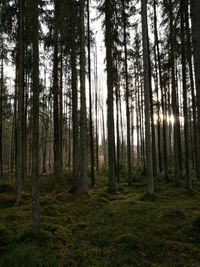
(128, 228)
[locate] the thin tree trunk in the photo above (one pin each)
(90, 97)
(174, 101)
(96, 112)
(19, 170)
(110, 115)
(1, 111)
(61, 110)
(165, 151)
(117, 126)
(194, 107)
(128, 141)
(185, 104)
(75, 148)
(195, 11)
(35, 128)
(83, 183)
(56, 118)
(149, 169)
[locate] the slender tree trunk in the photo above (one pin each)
(194, 107)
(195, 11)
(96, 112)
(117, 126)
(128, 141)
(69, 139)
(149, 169)
(158, 113)
(1, 112)
(25, 160)
(83, 183)
(35, 128)
(165, 151)
(154, 155)
(75, 148)
(110, 115)
(20, 165)
(174, 101)
(185, 104)
(56, 118)
(61, 110)
(90, 97)
(104, 139)
(122, 128)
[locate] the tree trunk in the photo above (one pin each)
(20, 61)
(176, 141)
(110, 115)
(61, 110)
(75, 148)
(96, 113)
(35, 128)
(128, 143)
(90, 97)
(1, 111)
(149, 169)
(83, 183)
(194, 107)
(185, 104)
(195, 11)
(56, 118)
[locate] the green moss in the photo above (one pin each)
(126, 242)
(59, 234)
(6, 236)
(100, 237)
(104, 200)
(129, 228)
(149, 197)
(51, 210)
(196, 222)
(47, 200)
(41, 237)
(174, 214)
(28, 255)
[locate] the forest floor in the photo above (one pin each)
(129, 228)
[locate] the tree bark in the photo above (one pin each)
(110, 115)
(75, 152)
(56, 118)
(128, 141)
(185, 104)
(83, 183)
(195, 11)
(20, 61)
(149, 168)
(90, 97)
(35, 128)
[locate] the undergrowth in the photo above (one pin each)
(129, 228)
